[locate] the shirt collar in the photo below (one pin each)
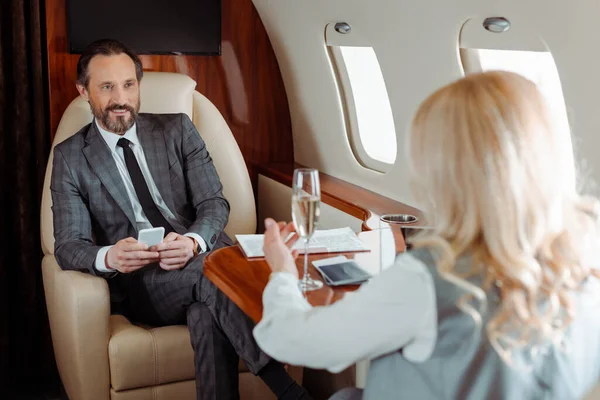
(111, 139)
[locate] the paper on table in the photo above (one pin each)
(323, 241)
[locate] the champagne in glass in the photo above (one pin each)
(306, 200)
(305, 211)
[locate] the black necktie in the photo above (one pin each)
(141, 188)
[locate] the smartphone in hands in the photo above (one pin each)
(151, 236)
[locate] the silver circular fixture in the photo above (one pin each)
(399, 218)
(496, 24)
(343, 28)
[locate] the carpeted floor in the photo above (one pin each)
(45, 395)
(41, 397)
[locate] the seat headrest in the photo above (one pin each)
(166, 93)
(160, 92)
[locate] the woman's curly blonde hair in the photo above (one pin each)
(485, 151)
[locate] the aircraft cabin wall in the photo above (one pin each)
(416, 44)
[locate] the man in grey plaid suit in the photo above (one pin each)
(127, 171)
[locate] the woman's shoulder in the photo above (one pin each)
(407, 267)
(422, 260)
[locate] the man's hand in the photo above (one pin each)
(175, 251)
(278, 253)
(129, 255)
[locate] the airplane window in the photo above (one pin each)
(367, 99)
(537, 66)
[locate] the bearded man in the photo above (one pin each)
(127, 171)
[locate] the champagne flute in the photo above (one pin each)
(306, 200)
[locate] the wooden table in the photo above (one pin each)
(244, 280)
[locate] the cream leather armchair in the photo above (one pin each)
(103, 356)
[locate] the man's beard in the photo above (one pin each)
(121, 125)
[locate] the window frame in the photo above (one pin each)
(470, 61)
(350, 112)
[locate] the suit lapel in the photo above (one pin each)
(155, 151)
(100, 159)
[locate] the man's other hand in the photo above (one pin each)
(129, 255)
(175, 251)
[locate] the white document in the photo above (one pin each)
(325, 241)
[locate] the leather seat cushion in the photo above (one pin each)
(170, 391)
(142, 356)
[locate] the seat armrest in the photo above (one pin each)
(79, 309)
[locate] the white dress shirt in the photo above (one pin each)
(396, 309)
(141, 220)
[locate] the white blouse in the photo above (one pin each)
(395, 309)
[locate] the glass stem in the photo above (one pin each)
(305, 279)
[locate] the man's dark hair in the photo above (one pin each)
(105, 47)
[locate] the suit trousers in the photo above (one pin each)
(220, 331)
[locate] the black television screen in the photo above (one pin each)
(147, 26)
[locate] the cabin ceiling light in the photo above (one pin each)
(495, 24)
(343, 28)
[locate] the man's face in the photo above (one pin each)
(113, 92)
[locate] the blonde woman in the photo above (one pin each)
(501, 300)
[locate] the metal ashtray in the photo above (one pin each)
(399, 218)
